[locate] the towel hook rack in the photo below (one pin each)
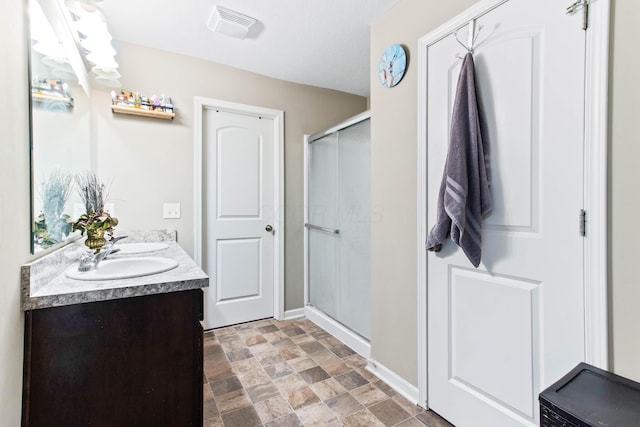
(471, 38)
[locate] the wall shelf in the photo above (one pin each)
(156, 114)
(46, 98)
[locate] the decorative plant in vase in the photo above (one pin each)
(53, 225)
(95, 221)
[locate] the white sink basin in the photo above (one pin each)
(140, 248)
(124, 268)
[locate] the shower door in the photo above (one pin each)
(338, 222)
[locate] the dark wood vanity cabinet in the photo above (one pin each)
(124, 362)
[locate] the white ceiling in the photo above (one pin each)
(321, 43)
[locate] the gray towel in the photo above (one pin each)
(464, 197)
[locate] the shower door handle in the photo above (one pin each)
(325, 229)
(269, 228)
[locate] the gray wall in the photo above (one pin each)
(14, 205)
(394, 232)
(624, 195)
(150, 161)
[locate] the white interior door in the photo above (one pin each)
(499, 334)
(239, 212)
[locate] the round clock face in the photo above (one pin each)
(392, 65)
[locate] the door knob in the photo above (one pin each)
(269, 228)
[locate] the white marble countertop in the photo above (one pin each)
(44, 283)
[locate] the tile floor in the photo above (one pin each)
(293, 373)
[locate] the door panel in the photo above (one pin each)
(239, 194)
(491, 340)
(323, 206)
(499, 334)
(354, 201)
(323, 272)
(239, 173)
(515, 123)
(323, 182)
(238, 272)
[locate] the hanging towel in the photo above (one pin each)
(464, 197)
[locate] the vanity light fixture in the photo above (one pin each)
(95, 39)
(44, 37)
(230, 23)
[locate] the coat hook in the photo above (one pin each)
(472, 37)
(471, 34)
(461, 43)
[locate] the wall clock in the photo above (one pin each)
(392, 65)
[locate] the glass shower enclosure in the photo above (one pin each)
(337, 229)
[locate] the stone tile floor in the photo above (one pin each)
(293, 373)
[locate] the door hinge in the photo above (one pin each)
(583, 222)
(584, 4)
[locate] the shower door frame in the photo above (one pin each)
(359, 344)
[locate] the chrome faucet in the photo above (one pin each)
(89, 261)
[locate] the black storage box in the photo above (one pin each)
(590, 397)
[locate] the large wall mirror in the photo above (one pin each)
(60, 122)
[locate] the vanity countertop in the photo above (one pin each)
(44, 283)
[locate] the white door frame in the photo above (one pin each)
(595, 181)
(203, 104)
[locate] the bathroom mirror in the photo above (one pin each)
(60, 120)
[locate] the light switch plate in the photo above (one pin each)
(171, 210)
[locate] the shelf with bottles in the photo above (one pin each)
(132, 103)
(48, 91)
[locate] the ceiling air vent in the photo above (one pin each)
(230, 22)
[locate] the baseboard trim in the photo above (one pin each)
(344, 334)
(294, 314)
(395, 381)
(363, 348)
